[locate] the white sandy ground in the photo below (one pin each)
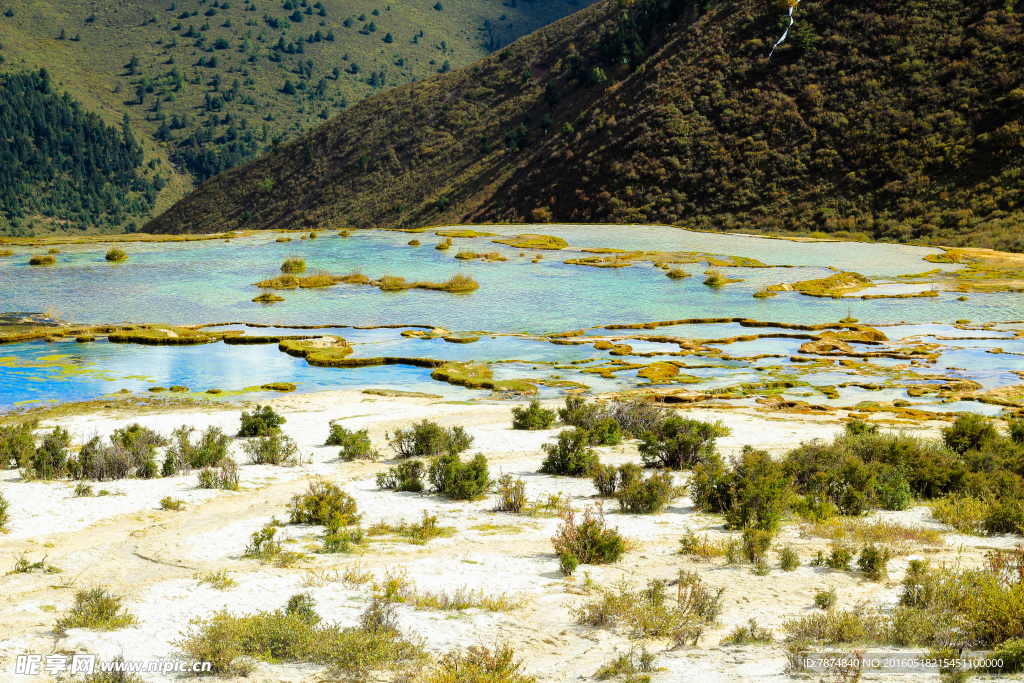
(125, 542)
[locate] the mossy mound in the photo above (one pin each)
(444, 244)
(283, 239)
(283, 387)
(414, 243)
(464, 233)
(716, 278)
(329, 351)
(677, 273)
(157, 390)
(116, 255)
(658, 373)
(6, 252)
(461, 340)
(479, 376)
(85, 338)
(164, 335)
(344, 233)
(531, 241)
(243, 339)
(294, 264)
(267, 298)
(213, 391)
(42, 260)
(178, 389)
(456, 283)
(833, 286)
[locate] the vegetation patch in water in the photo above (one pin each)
(167, 335)
(716, 278)
(42, 260)
(833, 286)
(479, 376)
(464, 233)
(327, 351)
(116, 254)
(466, 255)
(531, 241)
(267, 298)
(456, 283)
(294, 264)
(283, 387)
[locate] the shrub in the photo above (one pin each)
(648, 613)
(458, 480)
(1016, 429)
(261, 422)
(969, 432)
(826, 599)
(637, 416)
(893, 490)
(1005, 517)
(5, 514)
(406, 476)
(480, 665)
(323, 503)
(839, 557)
(711, 486)
(605, 433)
(578, 413)
(569, 455)
(645, 496)
(354, 445)
(590, 541)
(788, 559)
(605, 479)
(42, 260)
(116, 254)
(532, 417)
(283, 636)
(184, 456)
(95, 608)
(626, 664)
(50, 461)
(173, 504)
(749, 634)
(17, 445)
(756, 543)
(218, 579)
(873, 561)
(101, 462)
(679, 443)
(224, 476)
(707, 549)
(966, 514)
(760, 491)
(511, 494)
(427, 439)
(273, 449)
(264, 544)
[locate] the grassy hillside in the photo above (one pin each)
(891, 121)
(209, 84)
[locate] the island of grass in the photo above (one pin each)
(6, 252)
(834, 286)
(167, 335)
(42, 260)
(327, 351)
(677, 273)
(444, 244)
(116, 254)
(317, 279)
(467, 255)
(456, 283)
(479, 376)
(618, 258)
(464, 233)
(294, 264)
(267, 298)
(387, 283)
(531, 241)
(716, 278)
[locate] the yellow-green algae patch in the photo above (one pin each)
(464, 233)
(479, 376)
(532, 241)
(167, 335)
(328, 351)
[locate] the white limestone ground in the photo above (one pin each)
(125, 542)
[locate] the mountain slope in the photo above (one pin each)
(209, 84)
(892, 121)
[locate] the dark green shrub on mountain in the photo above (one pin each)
(570, 455)
(532, 416)
(679, 443)
(260, 422)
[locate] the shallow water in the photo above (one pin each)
(211, 281)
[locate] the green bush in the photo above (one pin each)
(578, 413)
(261, 422)
(511, 494)
(893, 489)
(50, 461)
(323, 503)
(874, 561)
(101, 462)
(355, 445)
(5, 514)
(427, 439)
(826, 599)
(711, 486)
(95, 608)
(457, 480)
(273, 449)
(679, 443)
(788, 559)
(760, 491)
(303, 606)
(635, 417)
(605, 479)
(969, 432)
(406, 476)
(1005, 517)
(17, 445)
(570, 455)
(638, 495)
(588, 542)
(184, 456)
(839, 558)
(605, 433)
(532, 416)
(1016, 429)
(224, 476)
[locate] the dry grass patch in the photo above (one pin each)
(218, 579)
(708, 549)
(95, 608)
(480, 665)
(901, 538)
(966, 514)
